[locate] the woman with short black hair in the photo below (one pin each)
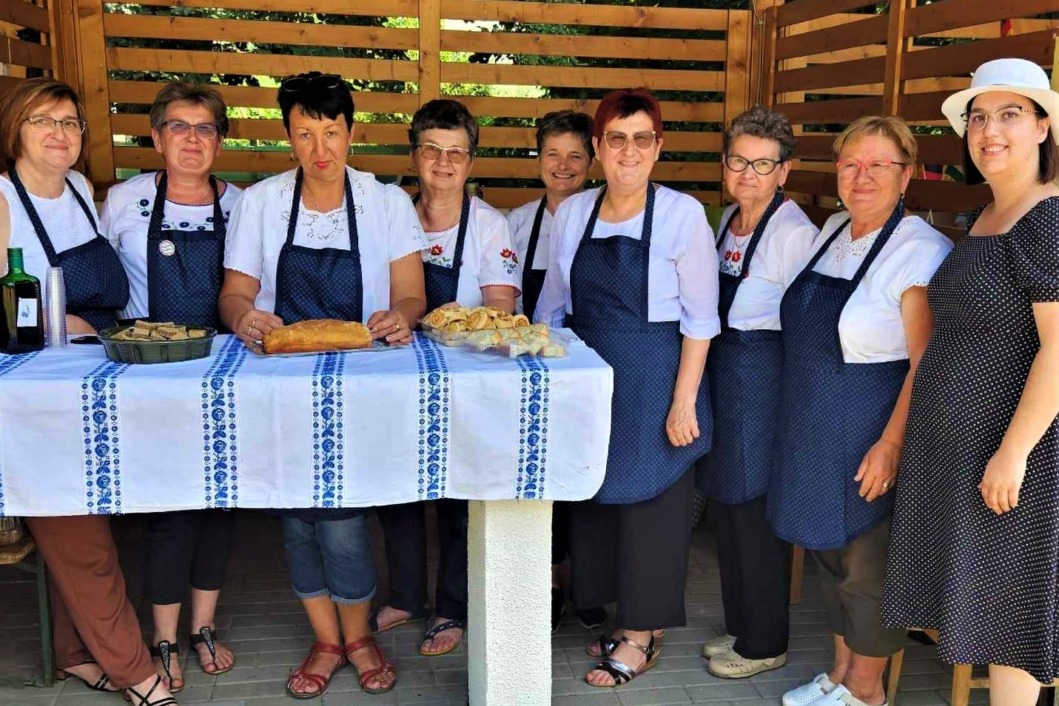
(351, 246)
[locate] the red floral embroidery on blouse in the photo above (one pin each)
(508, 255)
(436, 250)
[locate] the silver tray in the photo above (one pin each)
(375, 347)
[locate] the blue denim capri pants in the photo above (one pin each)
(329, 557)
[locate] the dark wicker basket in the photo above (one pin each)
(156, 351)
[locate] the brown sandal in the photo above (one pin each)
(369, 674)
(319, 680)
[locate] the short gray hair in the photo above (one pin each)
(195, 93)
(766, 124)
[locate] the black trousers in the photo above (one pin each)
(560, 532)
(755, 578)
(634, 555)
(188, 548)
(404, 529)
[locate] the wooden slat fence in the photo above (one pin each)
(25, 44)
(832, 61)
(509, 62)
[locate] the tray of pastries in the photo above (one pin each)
(156, 342)
(488, 329)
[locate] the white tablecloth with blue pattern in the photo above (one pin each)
(82, 435)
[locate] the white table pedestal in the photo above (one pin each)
(509, 639)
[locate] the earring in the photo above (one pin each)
(292, 157)
(779, 188)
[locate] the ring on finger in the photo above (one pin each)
(885, 484)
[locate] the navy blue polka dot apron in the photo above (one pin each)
(831, 414)
(609, 284)
(442, 283)
(96, 284)
(319, 283)
(533, 280)
(185, 268)
(745, 370)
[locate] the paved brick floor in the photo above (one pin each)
(259, 618)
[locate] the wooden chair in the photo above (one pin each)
(16, 555)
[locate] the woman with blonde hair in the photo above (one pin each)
(855, 323)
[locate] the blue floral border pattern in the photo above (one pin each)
(434, 391)
(219, 448)
(7, 364)
(99, 416)
(329, 436)
(532, 427)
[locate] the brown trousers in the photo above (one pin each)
(92, 617)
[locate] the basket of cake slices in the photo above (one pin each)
(487, 329)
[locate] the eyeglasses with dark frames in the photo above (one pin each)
(432, 152)
(70, 126)
(204, 131)
(617, 140)
(301, 82)
(763, 166)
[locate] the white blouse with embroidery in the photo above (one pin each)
(870, 328)
(781, 254)
(489, 256)
(387, 230)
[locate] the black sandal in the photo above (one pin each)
(622, 673)
(606, 643)
(145, 699)
(164, 651)
(437, 630)
(101, 684)
(208, 637)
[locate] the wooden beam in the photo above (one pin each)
(736, 65)
(896, 44)
(962, 59)
(25, 14)
(955, 14)
(591, 14)
(804, 10)
(429, 50)
(869, 30)
(91, 44)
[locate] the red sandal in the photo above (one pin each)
(320, 681)
(367, 675)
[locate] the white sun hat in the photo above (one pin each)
(1012, 75)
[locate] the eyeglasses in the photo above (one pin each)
(301, 81)
(618, 140)
(71, 126)
(762, 166)
(432, 153)
(876, 168)
(1002, 118)
(204, 131)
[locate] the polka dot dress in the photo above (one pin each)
(988, 583)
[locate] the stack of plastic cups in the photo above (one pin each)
(55, 308)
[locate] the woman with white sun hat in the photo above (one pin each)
(974, 551)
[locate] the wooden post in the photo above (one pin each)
(429, 50)
(766, 71)
(896, 47)
(737, 64)
(95, 90)
(63, 41)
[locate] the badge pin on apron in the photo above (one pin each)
(167, 248)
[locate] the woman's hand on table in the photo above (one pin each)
(878, 470)
(1002, 481)
(76, 326)
(391, 326)
(682, 424)
(252, 325)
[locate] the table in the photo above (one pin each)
(83, 435)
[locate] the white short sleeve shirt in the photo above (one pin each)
(126, 217)
(387, 228)
(489, 256)
(870, 328)
(781, 254)
(520, 223)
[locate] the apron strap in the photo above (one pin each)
(34, 217)
(759, 231)
(535, 233)
(295, 207)
(461, 236)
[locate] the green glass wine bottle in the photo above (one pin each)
(22, 326)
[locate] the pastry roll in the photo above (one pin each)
(436, 319)
(478, 320)
(520, 320)
(314, 335)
